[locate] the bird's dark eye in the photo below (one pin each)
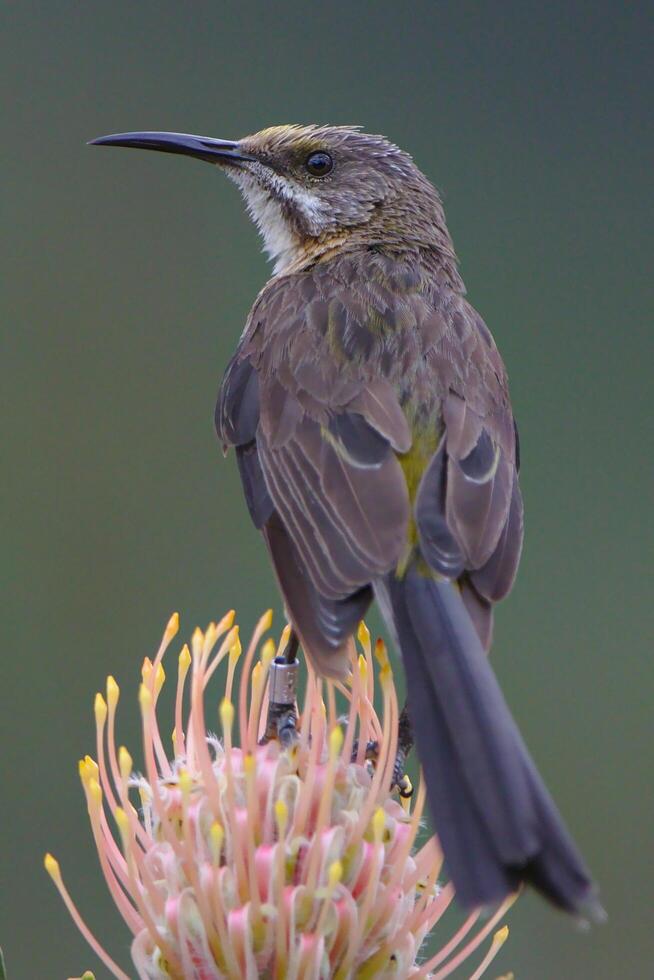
(319, 164)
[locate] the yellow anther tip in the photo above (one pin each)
(184, 658)
(113, 691)
(267, 619)
(286, 632)
(95, 791)
(335, 741)
(173, 626)
(100, 709)
(216, 837)
(335, 873)
(196, 641)
(185, 781)
(501, 935)
(124, 762)
(216, 831)
(381, 653)
(281, 814)
(363, 634)
(51, 865)
(235, 649)
(226, 713)
(91, 766)
(159, 678)
(268, 652)
(145, 698)
(378, 824)
(122, 820)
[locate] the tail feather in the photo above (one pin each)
(557, 870)
(496, 821)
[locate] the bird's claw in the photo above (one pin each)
(405, 789)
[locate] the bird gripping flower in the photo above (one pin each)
(236, 857)
(369, 410)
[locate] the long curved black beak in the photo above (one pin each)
(200, 147)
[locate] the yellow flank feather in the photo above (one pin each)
(413, 463)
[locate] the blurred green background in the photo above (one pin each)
(126, 281)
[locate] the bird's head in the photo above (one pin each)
(315, 189)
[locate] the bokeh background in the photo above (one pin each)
(126, 280)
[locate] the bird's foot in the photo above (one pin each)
(370, 755)
(281, 725)
(400, 780)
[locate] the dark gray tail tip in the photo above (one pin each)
(589, 911)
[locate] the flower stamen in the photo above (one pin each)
(253, 857)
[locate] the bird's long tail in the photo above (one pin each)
(496, 821)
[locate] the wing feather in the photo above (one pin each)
(324, 625)
(343, 370)
(343, 527)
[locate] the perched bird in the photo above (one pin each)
(369, 409)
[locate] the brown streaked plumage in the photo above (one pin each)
(369, 410)
(361, 335)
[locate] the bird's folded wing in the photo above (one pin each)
(316, 441)
(319, 428)
(348, 520)
(469, 507)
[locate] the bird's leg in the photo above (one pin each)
(404, 746)
(289, 653)
(282, 719)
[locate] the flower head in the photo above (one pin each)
(240, 858)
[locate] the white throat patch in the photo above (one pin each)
(280, 242)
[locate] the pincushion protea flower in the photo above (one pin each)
(245, 859)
